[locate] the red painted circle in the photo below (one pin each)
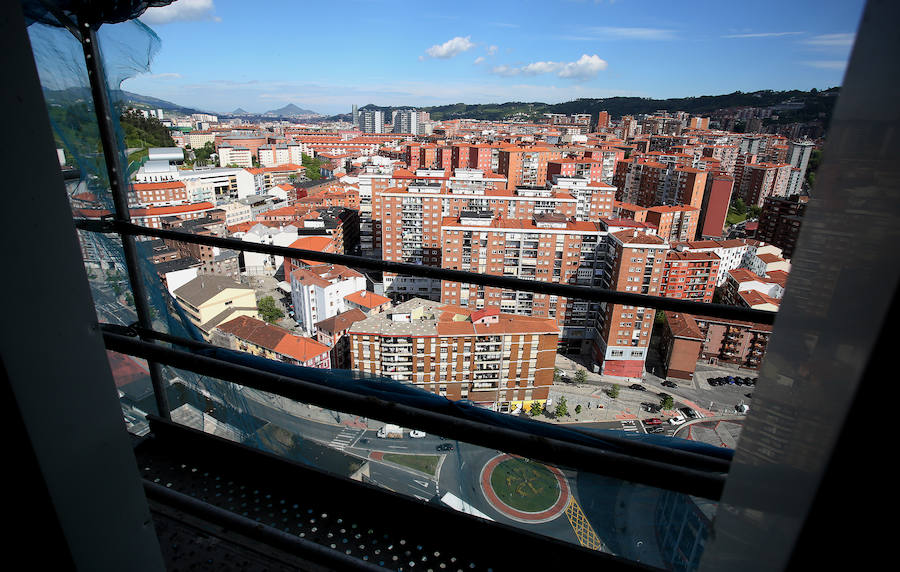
(531, 517)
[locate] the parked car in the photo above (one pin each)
(663, 395)
(444, 447)
(668, 383)
(689, 413)
(416, 434)
(677, 420)
(650, 407)
(653, 421)
(714, 381)
(730, 380)
(656, 429)
(637, 387)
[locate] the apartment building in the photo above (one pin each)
(780, 222)
(271, 342)
(635, 263)
(371, 121)
(280, 154)
(234, 156)
(756, 181)
(673, 223)
(500, 361)
(690, 275)
(731, 253)
(525, 165)
(333, 331)
(406, 121)
(209, 300)
(746, 288)
(548, 247)
(162, 194)
(317, 292)
(714, 209)
(647, 182)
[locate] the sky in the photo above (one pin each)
(218, 55)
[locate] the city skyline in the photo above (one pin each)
(491, 54)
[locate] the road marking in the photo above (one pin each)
(422, 483)
(421, 498)
(629, 426)
(344, 438)
(584, 532)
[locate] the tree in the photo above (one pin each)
(667, 402)
(580, 376)
(269, 309)
(739, 206)
(754, 211)
(536, 408)
(578, 409)
(202, 154)
(562, 408)
(557, 375)
(613, 391)
(129, 299)
(312, 167)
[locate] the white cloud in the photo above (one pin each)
(585, 67)
(479, 60)
(827, 64)
(450, 48)
(763, 35)
(832, 40)
(609, 32)
(491, 50)
(181, 11)
(166, 75)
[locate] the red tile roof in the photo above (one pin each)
(367, 299)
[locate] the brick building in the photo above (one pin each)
(780, 221)
(690, 275)
(501, 361)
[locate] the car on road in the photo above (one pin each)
(650, 407)
(657, 429)
(416, 434)
(689, 413)
(653, 421)
(637, 387)
(444, 447)
(663, 395)
(677, 420)
(668, 383)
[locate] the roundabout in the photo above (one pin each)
(524, 490)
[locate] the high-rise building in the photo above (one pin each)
(714, 209)
(406, 121)
(371, 121)
(674, 223)
(637, 261)
(525, 165)
(780, 221)
(501, 361)
(756, 181)
(690, 275)
(355, 113)
(548, 247)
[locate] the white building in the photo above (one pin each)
(731, 253)
(406, 121)
(220, 185)
(239, 156)
(236, 212)
(272, 155)
(371, 121)
(258, 263)
(318, 293)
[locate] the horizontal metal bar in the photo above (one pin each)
(588, 293)
(291, 543)
(632, 447)
(565, 454)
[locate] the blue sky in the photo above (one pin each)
(222, 54)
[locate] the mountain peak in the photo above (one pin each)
(289, 110)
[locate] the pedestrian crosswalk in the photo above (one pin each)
(629, 426)
(343, 439)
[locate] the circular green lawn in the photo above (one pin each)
(525, 485)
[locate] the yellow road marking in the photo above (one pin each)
(583, 529)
